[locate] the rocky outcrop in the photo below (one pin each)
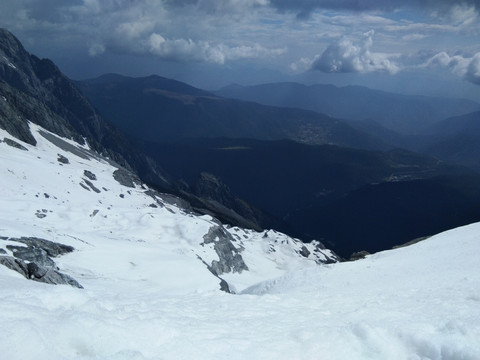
(62, 159)
(359, 255)
(230, 259)
(90, 175)
(34, 260)
(53, 249)
(14, 144)
(32, 254)
(126, 178)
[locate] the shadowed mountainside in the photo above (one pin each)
(351, 199)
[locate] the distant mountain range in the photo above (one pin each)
(406, 114)
(158, 109)
(442, 127)
(457, 140)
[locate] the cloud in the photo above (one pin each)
(466, 67)
(96, 49)
(203, 51)
(303, 64)
(305, 7)
(218, 32)
(218, 7)
(413, 37)
(344, 55)
(180, 30)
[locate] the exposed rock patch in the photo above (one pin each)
(65, 146)
(89, 183)
(90, 175)
(126, 178)
(62, 159)
(14, 144)
(34, 261)
(32, 254)
(230, 259)
(359, 255)
(304, 251)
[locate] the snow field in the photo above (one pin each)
(147, 296)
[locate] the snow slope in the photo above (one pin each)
(147, 295)
(123, 233)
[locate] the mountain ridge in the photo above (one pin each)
(173, 116)
(408, 114)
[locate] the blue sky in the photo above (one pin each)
(210, 43)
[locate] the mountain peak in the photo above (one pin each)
(9, 43)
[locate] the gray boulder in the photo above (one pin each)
(126, 178)
(230, 259)
(14, 144)
(90, 175)
(53, 249)
(62, 159)
(50, 276)
(32, 254)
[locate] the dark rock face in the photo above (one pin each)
(14, 144)
(50, 276)
(32, 254)
(224, 287)
(52, 248)
(90, 175)
(230, 258)
(63, 160)
(304, 252)
(359, 255)
(89, 183)
(62, 144)
(126, 178)
(15, 265)
(34, 262)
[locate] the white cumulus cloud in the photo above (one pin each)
(463, 66)
(345, 55)
(204, 51)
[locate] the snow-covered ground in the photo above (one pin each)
(147, 295)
